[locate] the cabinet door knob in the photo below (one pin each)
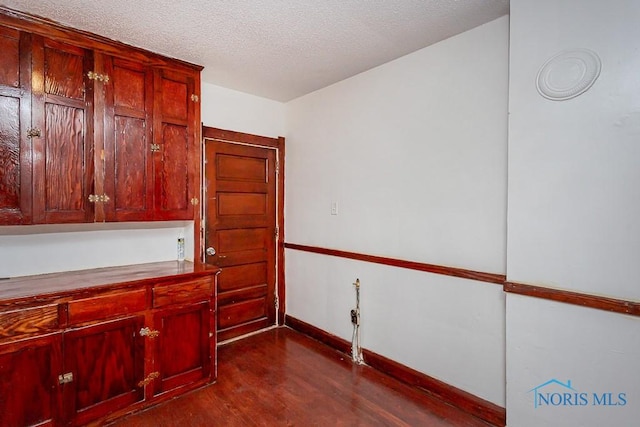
(211, 251)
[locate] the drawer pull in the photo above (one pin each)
(148, 332)
(152, 376)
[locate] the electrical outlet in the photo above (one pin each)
(334, 208)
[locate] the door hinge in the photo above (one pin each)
(277, 303)
(194, 97)
(65, 378)
(276, 232)
(98, 198)
(148, 332)
(277, 166)
(99, 77)
(152, 376)
(155, 148)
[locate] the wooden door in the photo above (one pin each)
(240, 227)
(15, 120)
(62, 109)
(29, 394)
(183, 351)
(106, 361)
(176, 168)
(128, 176)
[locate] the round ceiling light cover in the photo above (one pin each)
(568, 74)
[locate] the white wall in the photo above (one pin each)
(27, 250)
(237, 111)
(414, 154)
(574, 204)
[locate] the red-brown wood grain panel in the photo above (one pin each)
(29, 321)
(242, 204)
(174, 99)
(29, 371)
(239, 276)
(107, 306)
(247, 169)
(174, 172)
(10, 58)
(235, 314)
(10, 148)
(185, 292)
(184, 355)
(107, 362)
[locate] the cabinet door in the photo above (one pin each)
(29, 369)
(62, 110)
(184, 347)
(107, 363)
(128, 179)
(176, 165)
(15, 117)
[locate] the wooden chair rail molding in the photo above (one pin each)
(575, 298)
(497, 279)
(568, 297)
(485, 410)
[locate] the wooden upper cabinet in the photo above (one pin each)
(93, 130)
(128, 176)
(15, 119)
(62, 110)
(175, 162)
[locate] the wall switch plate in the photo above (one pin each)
(334, 208)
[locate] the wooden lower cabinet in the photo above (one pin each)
(106, 361)
(96, 355)
(183, 355)
(28, 381)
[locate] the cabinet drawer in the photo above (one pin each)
(106, 306)
(29, 321)
(184, 292)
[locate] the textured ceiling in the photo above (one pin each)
(278, 49)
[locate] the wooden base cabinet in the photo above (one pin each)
(184, 353)
(106, 364)
(28, 381)
(93, 355)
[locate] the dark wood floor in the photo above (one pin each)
(283, 378)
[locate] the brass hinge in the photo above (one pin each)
(152, 376)
(99, 77)
(276, 231)
(155, 148)
(98, 198)
(148, 332)
(195, 201)
(277, 303)
(277, 166)
(65, 378)
(33, 133)
(194, 97)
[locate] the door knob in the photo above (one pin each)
(210, 251)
